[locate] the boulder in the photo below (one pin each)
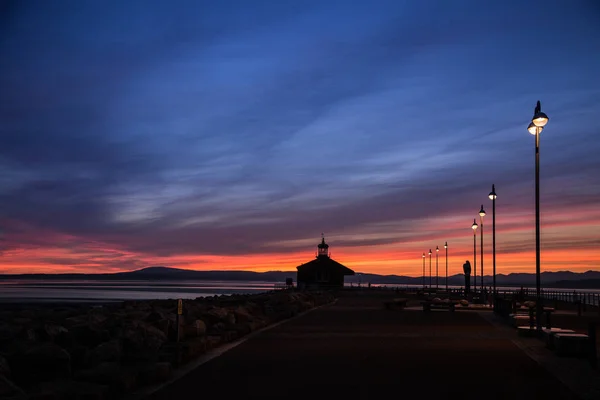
(4, 367)
(40, 363)
(89, 335)
(8, 390)
(69, 390)
(193, 348)
(141, 341)
(105, 352)
(197, 328)
(9, 331)
(154, 373)
(52, 332)
(118, 379)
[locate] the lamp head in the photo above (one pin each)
(539, 119)
(534, 129)
(492, 194)
(429, 251)
(474, 226)
(423, 255)
(446, 245)
(482, 212)
(437, 248)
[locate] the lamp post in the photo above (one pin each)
(492, 197)
(536, 126)
(481, 215)
(423, 271)
(474, 226)
(446, 247)
(430, 269)
(437, 276)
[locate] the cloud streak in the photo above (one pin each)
(210, 135)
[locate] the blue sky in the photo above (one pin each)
(161, 129)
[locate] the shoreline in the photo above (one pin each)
(109, 349)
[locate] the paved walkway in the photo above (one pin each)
(355, 349)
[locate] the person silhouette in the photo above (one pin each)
(467, 271)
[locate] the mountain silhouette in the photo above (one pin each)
(588, 279)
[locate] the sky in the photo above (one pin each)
(229, 134)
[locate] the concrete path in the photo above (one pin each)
(357, 350)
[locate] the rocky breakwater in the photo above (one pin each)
(104, 352)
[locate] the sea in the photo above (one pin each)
(97, 291)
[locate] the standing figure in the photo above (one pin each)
(467, 271)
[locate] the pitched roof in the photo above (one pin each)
(327, 263)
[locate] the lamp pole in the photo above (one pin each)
(481, 215)
(492, 197)
(437, 276)
(474, 226)
(536, 126)
(430, 269)
(446, 247)
(423, 271)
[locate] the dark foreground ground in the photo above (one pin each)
(357, 350)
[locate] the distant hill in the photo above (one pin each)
(164, 273)
(588, 280)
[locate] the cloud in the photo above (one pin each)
(219, 129)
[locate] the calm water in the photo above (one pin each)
(103, 291)
(95, 291)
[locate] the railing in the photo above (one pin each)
(567, 296)
(282, 286)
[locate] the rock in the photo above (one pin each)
(52, 332)
(69, 390)
(9, 331)
(4, 367)
(141, 341)
(119, 380)
(213, 341)
(193, 348)
(8, 390)
(242, 329)
(200, 327)
(215, 315)
(89, 335)
(164, 325)
(40, 363)
(79, 355)
(105, 352)
(154, 373)
(197, 328)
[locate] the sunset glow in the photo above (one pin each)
(212, 137)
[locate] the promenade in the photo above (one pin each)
(354, 349)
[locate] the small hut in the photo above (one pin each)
(323, 272)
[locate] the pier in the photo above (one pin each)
(358, 349)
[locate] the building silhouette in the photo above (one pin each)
(323, 272)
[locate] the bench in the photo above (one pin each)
(429, 305)
(571, 344)
(517, 320)
(395, 304)
(548, 335)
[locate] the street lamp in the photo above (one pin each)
(481, 215)
(536, 126)
(474, 226)
(423, 271)
(446, 247)
(430, 269)
(437, 276)
(492, 197)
